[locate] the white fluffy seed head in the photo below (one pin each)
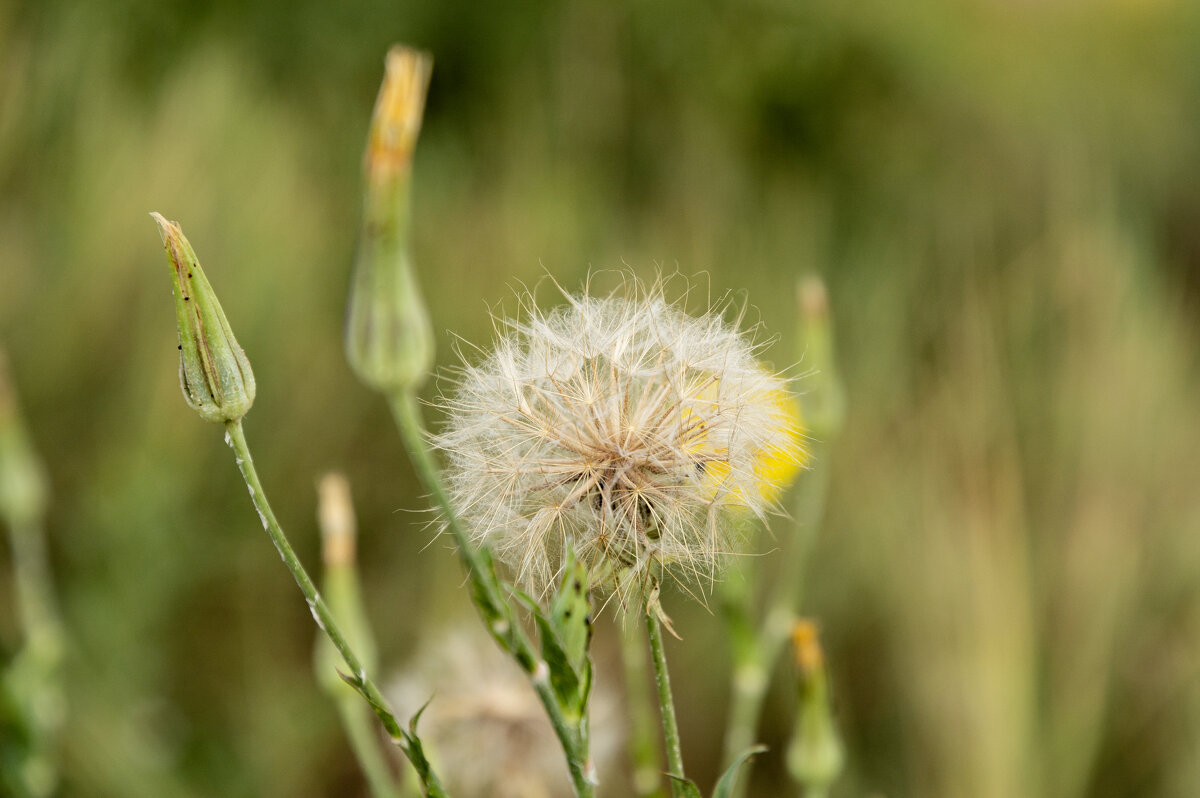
(623, 428)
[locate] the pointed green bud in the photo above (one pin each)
(389, 340)
(23, 486)
(340, 585)
(815, 756)
(213, 370)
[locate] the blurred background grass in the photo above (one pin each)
(1002, 196)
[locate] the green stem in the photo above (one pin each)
(750, 674)
(644, 747)
(666, 703)
(358, 678)
(35, 596)
(489, 600)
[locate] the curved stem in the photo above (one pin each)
(666, 703)
(489, 600)
(358, 677)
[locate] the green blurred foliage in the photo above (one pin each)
(1002, 197)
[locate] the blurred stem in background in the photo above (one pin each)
(389, 345)
(335, 514)
(756, 643)
(32, 682)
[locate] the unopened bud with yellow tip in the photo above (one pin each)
(389, 339)
(815, 755)
(340, 585)
(213, 370)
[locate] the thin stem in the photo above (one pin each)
(750, 675)
(489, 600)
(358, 678)
(644, 747)
(666, 703)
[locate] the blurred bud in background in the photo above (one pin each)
(815, 756)
(389, 341)
(340, 584)
(32, 700)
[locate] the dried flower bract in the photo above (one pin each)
(622, 427)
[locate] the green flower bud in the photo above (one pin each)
(23, 489)
(389, 340)
(213, 370)
(815, 756)
(335, 516)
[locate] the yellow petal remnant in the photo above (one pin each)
(399, 108)
(774, 466)
(806, 646)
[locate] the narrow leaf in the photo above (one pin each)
(724, 787)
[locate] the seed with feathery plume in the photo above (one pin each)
(621, 427)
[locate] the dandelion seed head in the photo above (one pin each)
(621, 427)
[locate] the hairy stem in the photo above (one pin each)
(489, 600)
(358, 677)
(666, 703)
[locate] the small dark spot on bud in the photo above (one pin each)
(180, 347)
(189, 274)
(578, 586)
(186, 298)
(566, 613)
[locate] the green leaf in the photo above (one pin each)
(564, 679)
(686, 787)
(566, 631)
(570, 611)
(724, 787)
(431, 785)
